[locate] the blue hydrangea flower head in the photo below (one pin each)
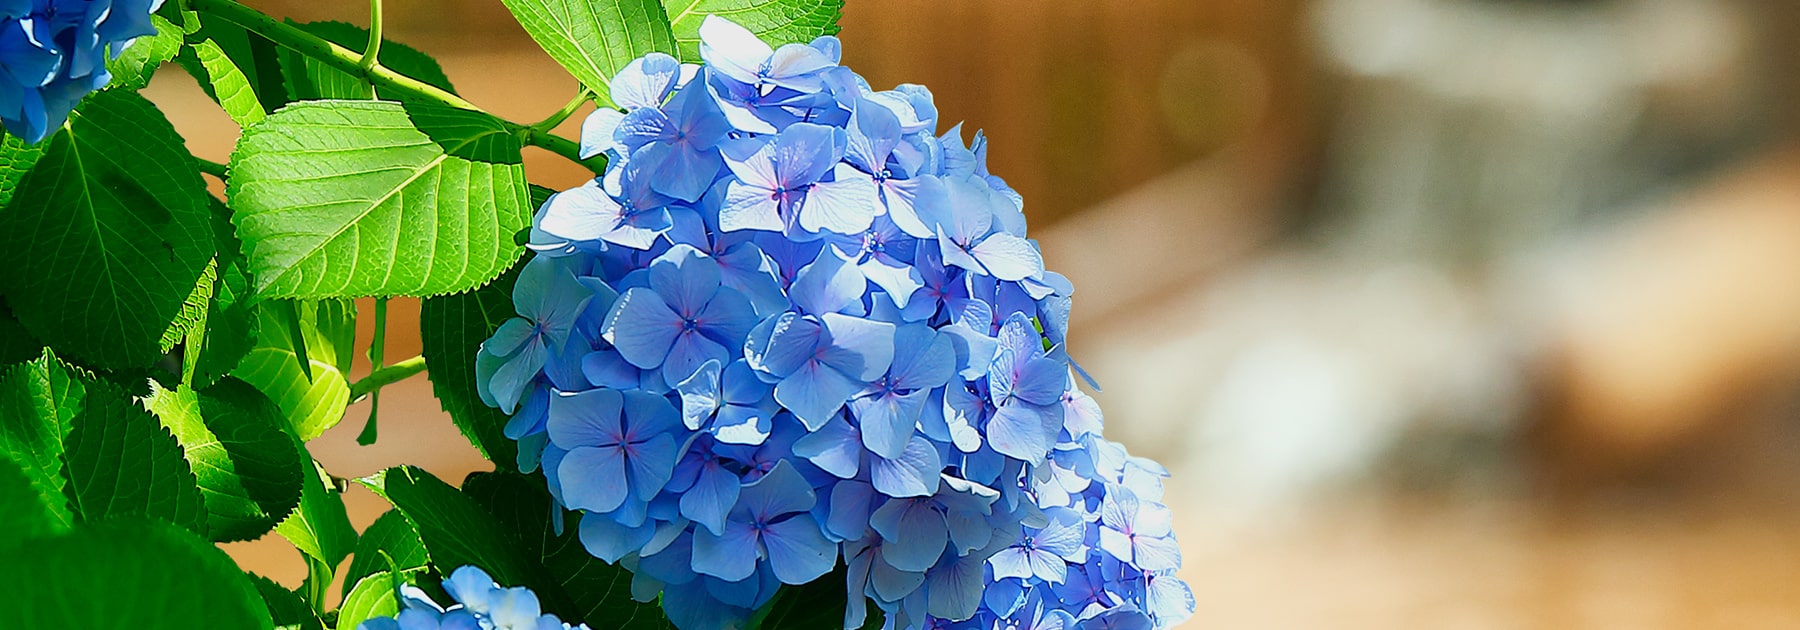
(54, 52)
(793, 329)
(480, 605)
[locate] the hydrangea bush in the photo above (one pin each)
(789, 360)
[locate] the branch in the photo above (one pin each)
(386, 375)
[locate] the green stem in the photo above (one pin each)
(389, 82)
(318, 582)
(372, 53)
(210, 167)
(377, 347)
(563, 114)
(386, 375)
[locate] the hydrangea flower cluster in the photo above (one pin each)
(790, 325)
(481, 605)
(54, 52)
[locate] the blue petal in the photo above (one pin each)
(780, 491)
(610, 541)
(851, 502)
(732, 50)
(589, 418)
(791, 342)
(888, 420)
(749, 207)
(815, 392)
(690, 350)
(834, 447)
(641, 327)
(729, 555)
(605, 368)
(1023, 431)
(914, 534)
(711, 498)
(652, 465)
(805, 152)
(899, 281)
(923, 358)
(685, 278)
(699, 395)
(1008, 257)
(597, 131)
(798, 553)
(593, 478)
(739, 424)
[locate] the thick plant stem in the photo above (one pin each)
(210, 167)
(386, 375)
(372, 52)
(377, 349)
(563, 114)
(389, 82)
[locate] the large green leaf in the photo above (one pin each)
(16, 344)
(593, 39)
(319, 528)
(127, 574)
(308, 79)
(600, 593)
(391, 538)
(101, 245)
(26, 513)
(131, 70)
(16, 159)
(286, 607)
(312, 403)
(775, 21)
(454, 529)
(248, 466)
(373, 596)
(121, 462)
(815, 605)
(452, 328)
(38, 404)
(353, 198)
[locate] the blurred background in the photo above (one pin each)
(1443, 313)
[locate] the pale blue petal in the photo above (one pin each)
(913, 474)
(699, 395)
(589, 418)
(923, 358)
(597, 131)
(861, 348)
(732, 50)
(845, 205)
(831, 283)
(888, 420)
(791, 342)
(645, 81)
(815, 392)
(1041, 381)
(1023, 431)
(902, 199)
(1008, 257)
(805, 152)
(749, 207)
(685, 278)
(1155, 553)
(740, 424)
(780, 491)
(899, 281)
(1011, 562)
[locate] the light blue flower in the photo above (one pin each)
(684, 318)
(620, 447)
(54, 52)
(481, 605)
(770, 521)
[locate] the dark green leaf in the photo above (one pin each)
(16, 344)
(393, 535)
(230, 332)
(127, 574)
(287, 607)
(100, 248)
(310, 80)
(25, 513)
(594, 39)
(131, 70)
(16, 159)
(775, 21)
(349, 198)
(319, 528)
(454, 529)
(314, 404)
(38, 404)
(452, 328)
(815, 605)
(600, 593)
(257, 58)
(248, 466)
(122, 462)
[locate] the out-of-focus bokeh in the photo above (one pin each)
(1443, 313)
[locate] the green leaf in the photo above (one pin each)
(775, 21)
(319, 528)
(314, 404)
(38, 404)
(248, 466)
(311, 80)
(373, 596)
(255, 57)
(16, 344)
(599, 593)
(16, 159)
(350, 198)
(132, 69)
(101, 246)
(127, 574)
(451, 328)
(454, 529)
(393, 535)
(193, 311)
(25, 513)
(594, 39)
(122, 462)
(287, 607)
(230, 331)
(815, 605)
(230, 86)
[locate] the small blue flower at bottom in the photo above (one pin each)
(481, 605)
